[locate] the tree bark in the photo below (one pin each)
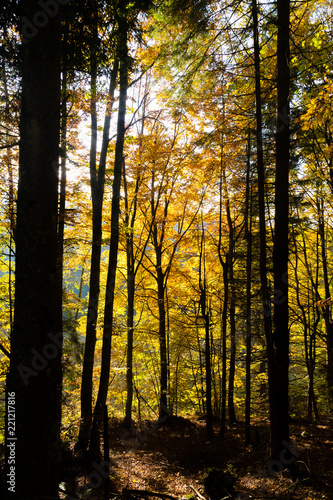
(163, 405)
(224, 263)
(248, 239)
(232, 307)
(97, 201)
(326, 311)
(205, 314)
(133, 264)
(97, 182)
(279, 411)
(34, 379)
(265, 293)
(131, 273)
(94, 447)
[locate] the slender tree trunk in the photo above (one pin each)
(309, 335)
(224, 348)
(326, 310)
(201, 393)
(248, 238)
(63, 149)
(161, 279)
(279, 383)
(231, 285)
(224, 351)
(94, 447)
(232, 307)
(265, 293)
(88, 359)
(80, 291)
(132, 268)
(130, 331)
(195, 380)
(97, 181)
(163, 405)
(205, 314)
(209, 411)
(310, 345)
(130, 305)
(34, 379)
(11, 198)
(224, 261)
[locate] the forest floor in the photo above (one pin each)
(174, 459)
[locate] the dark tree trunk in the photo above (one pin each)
(133, 264)
(97, 181)
(161, 280)
(88, 359)
(230, 293)
(224, 352)
(36, 345)
(209, 411)
(326, 311)
(11, 204)
(307, 310)
(205, 314)
(279, 407)
(63, 175)
(310, 345)
(265, 293)
(94, 447)
(201, 391)
(130, 339)
(129, 227)
(248, 238)
(163, 405)
(225, 264)
(232, 308)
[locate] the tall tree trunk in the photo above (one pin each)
(265, 293)
(224, 350)
(97, 181)
(309, 331)
(163, 404)
(132, 268)
(232, 307)
(63, 150)
(224, 261)
(206, 317)
(11, 201)
(225, 264)
(90, 342)
(94, 447)
(130, 300)
(161, 280)
(310, 346)
(326, 311)
(34, 379)
(201, 392)
(130, 339)
(279, 413)
(248, 239)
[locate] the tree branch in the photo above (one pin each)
(8, 146)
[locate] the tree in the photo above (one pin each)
(97, 181)
(205, 312)
(279, 402)
(34, 379)
(135, 251)
(248, 238)
(114, 241)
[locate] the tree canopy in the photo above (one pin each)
(166, 205)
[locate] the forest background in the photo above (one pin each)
(188, 217)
